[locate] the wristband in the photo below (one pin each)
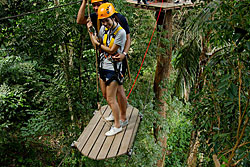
(125, 54)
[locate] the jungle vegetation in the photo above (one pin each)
(48, 86)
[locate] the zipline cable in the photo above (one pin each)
(38, 11)
(146, 51)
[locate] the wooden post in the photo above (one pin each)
(162, 73)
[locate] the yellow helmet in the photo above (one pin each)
(93, 1)
(105, 10)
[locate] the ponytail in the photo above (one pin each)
(117, 19)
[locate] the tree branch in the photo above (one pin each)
(240, 83)
(238, 141)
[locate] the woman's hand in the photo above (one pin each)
(95, 39)
(89, 23)
(118, 57)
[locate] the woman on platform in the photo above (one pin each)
(111, 40)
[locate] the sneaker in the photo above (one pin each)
(113, 131)
(123, 123)
(110, 118)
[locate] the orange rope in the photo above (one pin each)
(146, 51)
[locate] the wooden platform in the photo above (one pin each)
(157, 5)
(95, 145)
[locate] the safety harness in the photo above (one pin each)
(113, 36)
(118, 76)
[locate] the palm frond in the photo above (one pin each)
(188, 39)
(186, 64)
(203, 17)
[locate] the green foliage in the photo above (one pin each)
(47, 78)
(18, 81)
(12, 106)
(47, 81)
(178, 126)
(218, 79)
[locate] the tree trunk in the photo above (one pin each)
(162, 73)
(67, 66)
(194, 145)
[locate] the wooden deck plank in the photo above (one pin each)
(88, 130)
(94, 144)
(135, 131)
(119, 137)
(108, 144)
(158, 5)
(95, 134)
(99, 143)
(130, 132)
(105, 148)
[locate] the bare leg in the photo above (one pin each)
(111, 91)
(103, 88)
(121, 98)
(122, 101)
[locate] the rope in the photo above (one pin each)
(149, 83)
(96, 68)
(88, 9)
(97, 85)
(97, 91)
(64, 158)
(99, 109)
(129, 75)
(146, 51)
(141, 116)
(38, 11)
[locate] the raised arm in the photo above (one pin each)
(127, 44)
(81, 19)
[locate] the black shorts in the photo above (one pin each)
(108, 76)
